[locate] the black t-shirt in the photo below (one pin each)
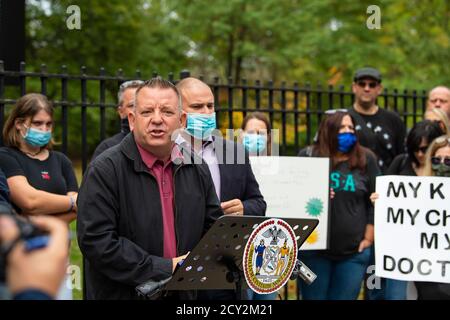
(383, 133)
(351, 209)
(54, 175)
(402, 166)
(4, 194)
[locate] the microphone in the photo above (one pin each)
(303, 272)
(151, 287)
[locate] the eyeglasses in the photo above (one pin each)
(422, 149)
(333, 111)
(371, 84)
(438, 160)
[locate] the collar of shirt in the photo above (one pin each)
(150, 159)
(182, 141)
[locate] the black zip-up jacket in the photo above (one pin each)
(120, 229)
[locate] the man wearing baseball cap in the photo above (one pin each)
(380, 130)
(383, 132)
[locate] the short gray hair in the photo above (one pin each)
(160, 83)
(132, 84)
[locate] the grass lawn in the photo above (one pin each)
(76, 259)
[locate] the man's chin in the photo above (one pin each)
(366, 104)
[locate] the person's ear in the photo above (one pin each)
(131, 118)
(380, 89)
(18, 124)
(354, 87)
(183, 119)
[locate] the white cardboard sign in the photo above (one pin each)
(412, 228)
(296, 187)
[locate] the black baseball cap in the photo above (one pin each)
(367, 72)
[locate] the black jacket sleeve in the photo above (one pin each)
(100, 148)
(116, 257)
(254, 204)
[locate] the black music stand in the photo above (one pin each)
(216, 261)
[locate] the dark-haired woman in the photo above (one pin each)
(256, 138)
(411, 163)
(341, 268)
(257, 135)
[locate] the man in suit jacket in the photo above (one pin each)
(228, 162)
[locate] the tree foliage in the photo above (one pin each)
(294, 40)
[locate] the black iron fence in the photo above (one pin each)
(85, 104)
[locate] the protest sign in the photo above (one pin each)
(412, 228)
(296, 187)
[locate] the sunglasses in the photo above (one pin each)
(371, 84)
(438, 160)
(333, 111)
(422, 149)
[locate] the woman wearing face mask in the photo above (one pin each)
(256, 134)
(411, 163)
(341, 268)
(41, 181)
(437, 163)
(256, 140)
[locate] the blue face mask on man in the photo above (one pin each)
(200, 125)
(36, 137)
(254, 143)
(346, 141)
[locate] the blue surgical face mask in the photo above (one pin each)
(37, 138)
(200, 125)
(254, 143)
(346, 141)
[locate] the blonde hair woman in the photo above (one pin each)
(436, 114)
(437, 158)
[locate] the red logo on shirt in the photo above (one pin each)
(45, 175)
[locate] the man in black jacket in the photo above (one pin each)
(143, 205)
(125, 98)
(228, 162)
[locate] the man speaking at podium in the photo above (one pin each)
(143, 205)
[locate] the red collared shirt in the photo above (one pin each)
(163, 173)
